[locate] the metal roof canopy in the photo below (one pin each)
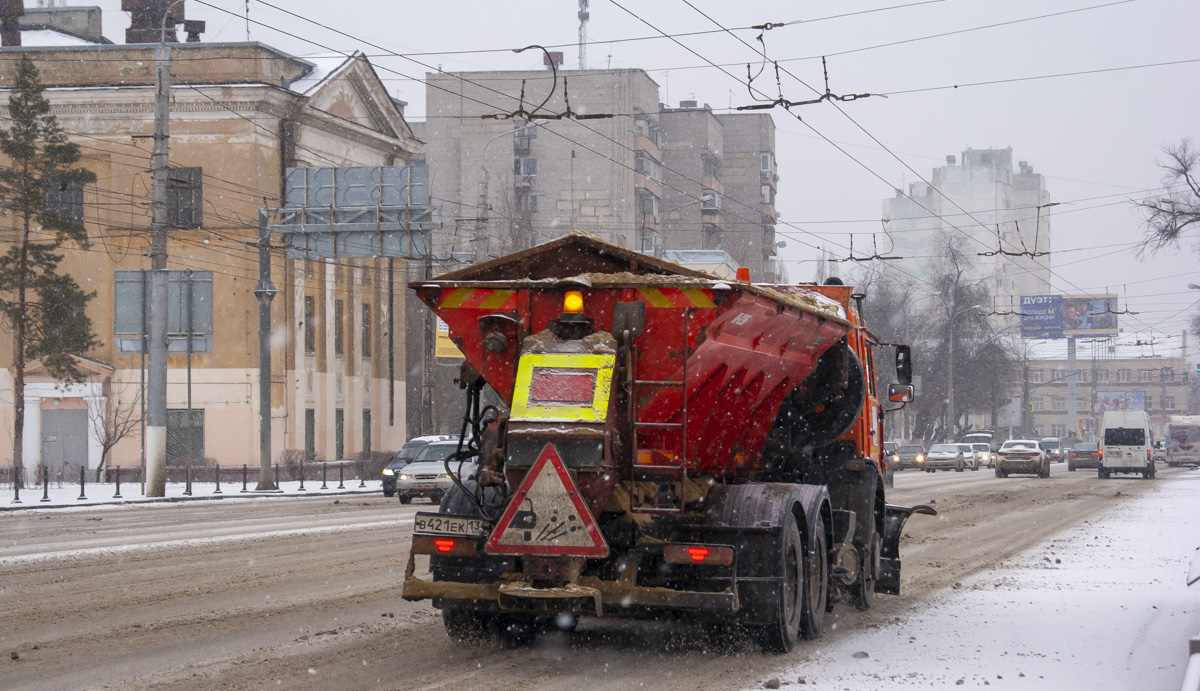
(358, 212)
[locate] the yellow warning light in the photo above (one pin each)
(573, 302)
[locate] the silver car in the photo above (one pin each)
(970, 456)
(426, 475)
(945, 457)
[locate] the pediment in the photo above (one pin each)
(35, 370)
(354, 93)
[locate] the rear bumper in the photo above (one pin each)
(1022, 466)
(590, 596)
(1085, 462)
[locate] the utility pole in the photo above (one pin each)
(265, 292)
(156, 414)
(1026, 409)
(1072, 376)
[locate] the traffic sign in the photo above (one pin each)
(547, 515)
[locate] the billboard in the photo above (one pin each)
(1089, 315)
(1041, 316)
(1059, 316)
(1120, 400)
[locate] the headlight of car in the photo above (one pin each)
(388, 471)
(447, 476)
(920, 458)
(895, 459)
(404, 477)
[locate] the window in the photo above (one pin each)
(132, 318)
(1035, 376)
(339, 425)
(366, 330)
(310, 313)
(1057, 403)
(310, 433)
(1167, 374)
(1081, 404)
(525, 128)
(185, 197)
(648, 206)
(1058, 431)
(1144, 375)
(1168, 402)
(337, 328)
(767, 194)
(645, 127)
(366, 445)
(525, 166)
(645, 164)
(185, 435)
(1081, 375)
(526, 203)
(1102, 376)
(764, 161)
(1149, 403)
(64, 198)
(709, 199)
(1123, 375)
(1037, 403)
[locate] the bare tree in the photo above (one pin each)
(1169, 215)
(113, 422)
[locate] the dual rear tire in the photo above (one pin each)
(797, 606)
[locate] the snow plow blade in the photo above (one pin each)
(889, 562)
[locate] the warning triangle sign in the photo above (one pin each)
(547, 516)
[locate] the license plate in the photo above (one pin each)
(442, 524)
(423, 485)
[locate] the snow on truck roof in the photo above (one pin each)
(590, 262)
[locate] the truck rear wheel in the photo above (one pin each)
(780, 633)
(816, 584)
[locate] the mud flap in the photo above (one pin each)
(888, 581)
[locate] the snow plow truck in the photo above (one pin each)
(662, 443)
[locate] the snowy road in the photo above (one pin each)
(1070, 583)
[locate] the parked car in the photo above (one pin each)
(945, 457)
(426, 475)
(1022, 456)
(1053, 448)
(911, 456)
(970, 456)
(404, 456)
(1083, 455)
(986, 455)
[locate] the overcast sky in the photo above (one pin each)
(1096, 137)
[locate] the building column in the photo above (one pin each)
(32, 443)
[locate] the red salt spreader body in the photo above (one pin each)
(658, 440)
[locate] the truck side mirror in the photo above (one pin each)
(900, 393)
(904, 364)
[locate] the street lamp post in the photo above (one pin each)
(950, 370)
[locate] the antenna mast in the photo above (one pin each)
(583, 20)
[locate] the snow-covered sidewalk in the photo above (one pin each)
(101, 494)
(1100, 606)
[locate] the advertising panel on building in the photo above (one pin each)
(1041, 316)
(1120, 400)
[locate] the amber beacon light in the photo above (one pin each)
(573, 302)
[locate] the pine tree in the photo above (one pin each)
(44, 308)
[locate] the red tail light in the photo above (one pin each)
(430, 544)
(698, 554)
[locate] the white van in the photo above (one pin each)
(1125, 444)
